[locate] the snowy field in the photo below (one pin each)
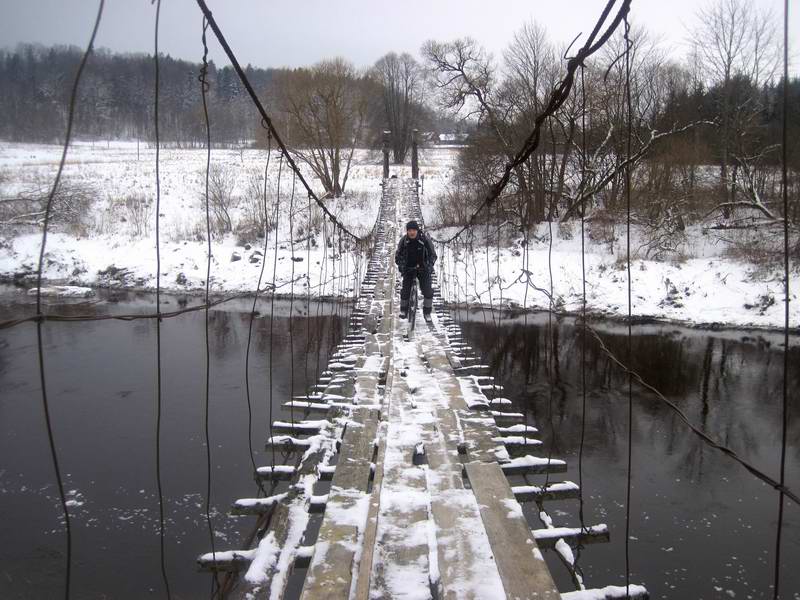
(116, 246)
(708, 291)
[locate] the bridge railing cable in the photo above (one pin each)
(159, 379)
(786, 273)
(38, 317)
(204, 87)
(557, 98)
(629, 347)
(252, 317)
(267, 120)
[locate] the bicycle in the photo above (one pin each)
(412, 305)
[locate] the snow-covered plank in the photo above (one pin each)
(533, 465)
(288, 443)
(401, 562)
(518, 429)
(561, 490)
(524, 573)
(276, 473)
(517, 441)
(300, 427)
(337, 546)
(315, 407)
(256, 506)
(226, 560)
(594, 534)
(611, 592)
(506, 419)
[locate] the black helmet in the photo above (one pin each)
(412, 225)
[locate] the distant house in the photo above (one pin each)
(452, 139)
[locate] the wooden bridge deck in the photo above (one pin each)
(419, 504)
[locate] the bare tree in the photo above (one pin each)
(734, 40)
(400, 78)
(326, 108)
(71, 208)
(468, 83)
(221, 185)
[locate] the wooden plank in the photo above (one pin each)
(400, 552)
(476, 435)
(611, 592)
(331, 571)
(533, 465)
(524, 572)
(558, 490)
(274, 581)
(594, 534)
(362, 591)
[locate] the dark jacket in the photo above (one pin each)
(428, 252)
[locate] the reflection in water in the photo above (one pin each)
(101, 383)
(702, 526)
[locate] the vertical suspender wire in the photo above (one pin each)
(583, 317)
(629, 135)
(291, 299)
(265, 208)
(785, 390)
(156, 93)
(323, 272)
(499, 213)
(525, 268)
(276, 223)
(39, 321)
(583, 302)
(549, 354)
(488, 263)
(204, 93)
(310, 233)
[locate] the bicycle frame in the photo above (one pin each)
(412, 305)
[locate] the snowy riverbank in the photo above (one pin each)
(115, 246)
(710, 290)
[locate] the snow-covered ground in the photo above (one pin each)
(710, 289)
(116, 247)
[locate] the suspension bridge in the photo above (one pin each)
(413, 456)
(405, 469)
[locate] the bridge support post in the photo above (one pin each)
(386, 135)
(414, 156)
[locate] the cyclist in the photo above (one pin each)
(415, 257)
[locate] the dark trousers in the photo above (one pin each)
(424, 278)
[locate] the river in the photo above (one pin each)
(701, 526)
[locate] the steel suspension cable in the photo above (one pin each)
(785, 383)
(204, 87)
(558, 96)
(628, 139)
(276, 225)
(159, 484)
(39, 321)
(583, 304)
(265, 216)
(264, 116)
(310, 233)
(291, 300)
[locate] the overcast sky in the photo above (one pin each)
(300, 32)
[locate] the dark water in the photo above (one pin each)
(101, 385)
(701, 525)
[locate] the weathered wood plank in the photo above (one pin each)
(558, 490)
(594, 534)
(521, 566)
(401, 551)
(331, 571)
